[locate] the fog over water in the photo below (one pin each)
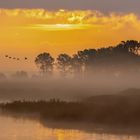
(75, 89)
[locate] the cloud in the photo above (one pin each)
(101, 5)
(67, 18)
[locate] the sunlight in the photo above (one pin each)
(54, 27)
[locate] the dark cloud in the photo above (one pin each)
(102, 5)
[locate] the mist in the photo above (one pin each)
(69, 89)
(96, 86)
(89, 72)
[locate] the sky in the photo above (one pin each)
(101, 5)
(30, 27)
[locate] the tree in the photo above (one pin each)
(88, 56)
(77, 65)
(45, 62)
(132, 45)
(83, 60)
(64, 64)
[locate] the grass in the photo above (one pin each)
(105, 109)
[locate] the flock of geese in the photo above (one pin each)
(15, 58)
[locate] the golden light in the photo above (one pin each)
(27, 32)
(55, 27)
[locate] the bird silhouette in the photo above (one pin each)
(15, 58)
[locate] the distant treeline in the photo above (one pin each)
(104, 109)
(116, 60)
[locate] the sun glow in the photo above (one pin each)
(55, 27)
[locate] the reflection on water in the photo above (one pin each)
(23, 129)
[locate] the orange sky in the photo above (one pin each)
(28, 32)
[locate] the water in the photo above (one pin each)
(25, 129)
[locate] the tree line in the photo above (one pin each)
(113, 59)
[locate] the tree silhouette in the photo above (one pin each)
(83, 61)
(76, 65)
(88, 56)
(121, 58)
(132, 45)
(64, 64)
(45, 62)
